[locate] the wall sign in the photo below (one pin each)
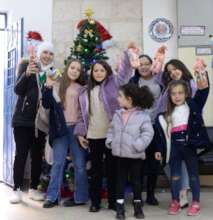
(190, 30)
(161, 30)
(203, 50)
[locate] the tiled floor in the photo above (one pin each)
(30, 210)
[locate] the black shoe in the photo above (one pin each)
(186, 205)
(151, 200)
(50, 204)
(71, 203)
(120, 211)
(138, 211)
(94, 208)
(112, 206)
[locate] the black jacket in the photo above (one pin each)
(57, 123)
(26, 89)
(196, 131)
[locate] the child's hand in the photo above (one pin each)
(83, 142)
(158, 156)
(133, 53)
(158, 60)
(199, 66)
(202, 80)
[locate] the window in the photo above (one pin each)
(3, 21)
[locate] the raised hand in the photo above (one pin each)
(159, 59)
(199, 66)
(202, 80)
(32, 67)
(133, 53)
(201, 73)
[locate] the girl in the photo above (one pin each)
(98, 102)
(180, 133)
(64, 111)
(145, 77)
(28, 89)
(176, 70)
(129, 135)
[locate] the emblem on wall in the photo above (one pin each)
(161, 30)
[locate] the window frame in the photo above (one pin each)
(5, 15)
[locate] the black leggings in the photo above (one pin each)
(26, 141)
(125, 167)
(97, 151)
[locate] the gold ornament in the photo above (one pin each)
(88, 32)
(89, 12)
(91, 21)
(79, 48)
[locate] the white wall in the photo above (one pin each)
(37, 14)
(153, 9)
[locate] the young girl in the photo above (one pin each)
(145, 77)
(129, 135)
(28, 89)
(176, 70)
(98, 102)
(64, 112)
(181, 132)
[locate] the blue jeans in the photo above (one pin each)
(181, 151)
(184, 175)
(60, 148)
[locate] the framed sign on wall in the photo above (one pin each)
(161, 30)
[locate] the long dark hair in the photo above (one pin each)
(187, 76)
(64, 82)
(141, 97)
(170, 104)
(92, 82)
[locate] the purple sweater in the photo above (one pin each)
(108, 94)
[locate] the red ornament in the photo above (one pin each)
(104, 34)
(97, 49)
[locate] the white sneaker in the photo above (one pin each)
(36, 195)
(16, 197)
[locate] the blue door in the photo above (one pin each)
(14, 53)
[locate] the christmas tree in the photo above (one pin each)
(88, 47)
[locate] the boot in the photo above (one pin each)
(120, 212)
(151, 184)
(138, 211)
(151, 199)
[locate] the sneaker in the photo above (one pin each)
(174, 208)
(151, 200)
(71, 203)
(194, 209)
(36, 195)
(49, 204)
(16, 197)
